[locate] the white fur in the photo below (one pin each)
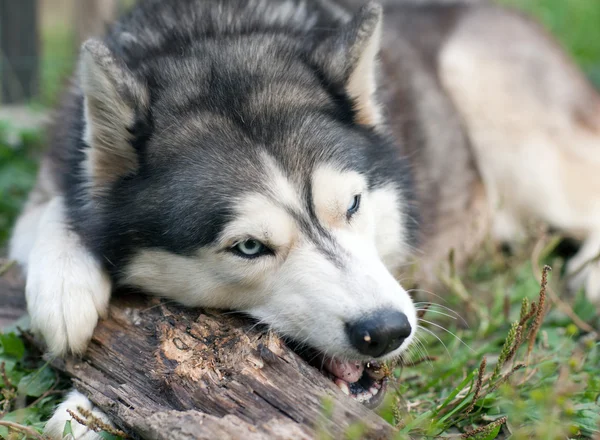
(281, 189)
(56, 425)
(333, 191)
(215, 277)
(585, 268)
(311, 299)
(24, 235)
(300, 292)
(67, 290)
(391, 234)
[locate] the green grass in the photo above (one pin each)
(29, 389)
(555, 395)
(18, 164)
(58, 59)
(576, 23)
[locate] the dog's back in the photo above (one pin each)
(502, 128)
(453, 73)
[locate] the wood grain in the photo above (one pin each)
(165, 372)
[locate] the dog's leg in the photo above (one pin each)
(584, 268)
(534, 122)
(24, 233)
(56, 425)
(507, 227)
(67, 290)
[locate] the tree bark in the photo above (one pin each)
(161, 371)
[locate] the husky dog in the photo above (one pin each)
(286, 158)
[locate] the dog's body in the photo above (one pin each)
(251, 156)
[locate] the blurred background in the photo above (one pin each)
(39, 42)
(558, 399)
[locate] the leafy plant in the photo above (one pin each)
(18, 165)
(513, 372)
(29, 389)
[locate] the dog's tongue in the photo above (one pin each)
(349, 371)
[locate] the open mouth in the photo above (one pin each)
(364, 381)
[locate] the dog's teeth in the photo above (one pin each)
(363, 397)
(343, 385)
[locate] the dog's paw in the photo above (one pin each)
(65, 301)
(587, 278)
(507, 228)
(583, 269)
(67, 290)
(55, 428)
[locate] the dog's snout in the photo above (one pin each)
(380, 333)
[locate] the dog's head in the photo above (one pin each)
(252, 174)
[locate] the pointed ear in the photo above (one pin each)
(349, 58)
(114, 101)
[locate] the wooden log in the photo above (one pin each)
(161, 371)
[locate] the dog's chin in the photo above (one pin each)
(364, 381)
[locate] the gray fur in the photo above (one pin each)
(189, 111)
(219, 80)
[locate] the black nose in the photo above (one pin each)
(380, 333)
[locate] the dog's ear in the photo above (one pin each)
(114, 102)
(349, 58)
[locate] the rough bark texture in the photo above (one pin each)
(164, 372)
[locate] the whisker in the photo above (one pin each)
(234, 312)
(438, 312)
(438, 338)
(262, 321)
(162, 303)
(420, 350)
(448, 331)
(421, 343)
(411, 349)
(316, 355)
(427, 291)
(432, 304)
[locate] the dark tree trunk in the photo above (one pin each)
(19, 50)
(164, 372)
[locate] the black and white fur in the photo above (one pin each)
(195, 126)
(192, 128)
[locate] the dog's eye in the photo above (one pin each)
(250, 249)
(353, 206)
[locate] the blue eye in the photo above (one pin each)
(250, 249)
(353, 206)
